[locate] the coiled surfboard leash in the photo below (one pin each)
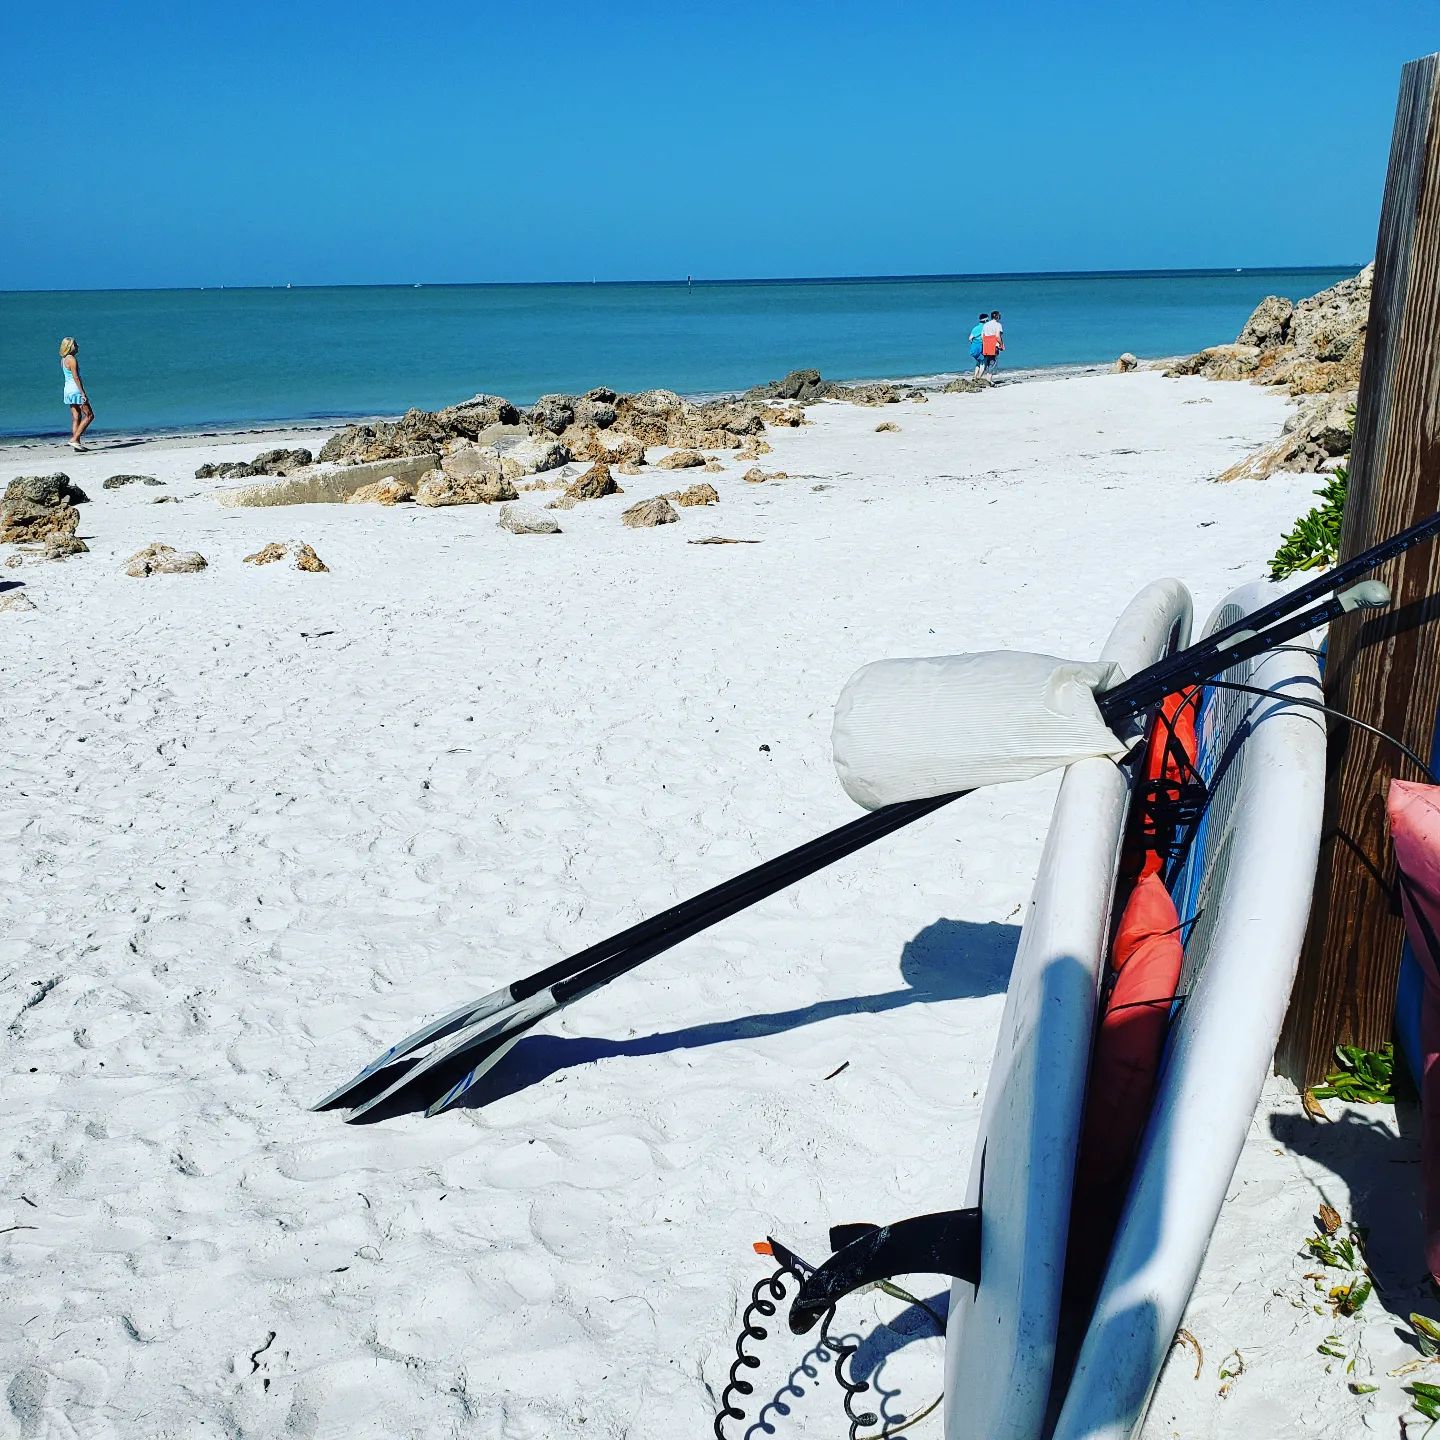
(865, 1255)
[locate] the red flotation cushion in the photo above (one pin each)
(1130, 1040)
(1145, 960)
(1414, 812)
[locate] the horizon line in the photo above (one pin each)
(1169, 272)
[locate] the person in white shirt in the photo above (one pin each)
(992, 343)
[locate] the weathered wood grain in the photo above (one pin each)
(1384, 670)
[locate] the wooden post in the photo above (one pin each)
(1384, 670)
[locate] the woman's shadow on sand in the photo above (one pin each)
(947, 960)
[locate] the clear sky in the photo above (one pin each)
(152, 144)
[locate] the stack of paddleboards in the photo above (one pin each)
(1023, 1362)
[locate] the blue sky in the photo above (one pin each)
(149, 144)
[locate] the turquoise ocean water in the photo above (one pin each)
(193, 359)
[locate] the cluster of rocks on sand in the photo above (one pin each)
(1313, 349)
(38, 514)
(486, 450)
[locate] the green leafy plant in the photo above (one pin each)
(1425, 1399)
(1314, 541)
(1365, 1077)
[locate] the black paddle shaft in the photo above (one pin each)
(1142, 692)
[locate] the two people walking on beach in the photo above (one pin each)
(987, 340)
(82, 417)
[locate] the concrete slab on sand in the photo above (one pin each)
(323, 484)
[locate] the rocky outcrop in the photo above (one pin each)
(52, 490)
(1310, 348)
(701, 494)
(521, 519)
(555, 413)
(756, 476)
(649, 513)
(875, 393)
(1269, 323)
(159, 559)
(680, 460)
(61, 547)
(116, 482)
(452, 487)
(1126, 363)
(389, 491)
(610, 446)
(531, 456)
(965, 385)
(1315, 437)
(305, 557)
(268, 462)
(806, 386)
(39, 507)
(419, 431)
(753, 449)
(596, 482)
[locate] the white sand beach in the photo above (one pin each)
(259, 823)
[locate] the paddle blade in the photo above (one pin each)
(475, 1011)
(480, 1039)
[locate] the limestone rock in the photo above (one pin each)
(701, 494)
(1317, 434)
(1269, 323)
(789, 415)
(526, 520)
(756, 476)
(806, 386)
(680, 460)
(116, 481)
(614, 448)
(1126, 363)
(713, 466)
(594, 483)
(159, 559)
(886, 425)
(16, 600)
(60, 546)
(918, 396)
(438, 487)
(629, 467)
(49, 490)
(875, 393)
(268, 462)
(23, 520)
(965, 385)
(389, 491)
(753, 449)
(595, 414)
(531, 456)
(1313, 347)
(1220, 362)
(307, 559)
(419, 432)
(281, 462)
(648, 513)
(267, 554)
(554, 413)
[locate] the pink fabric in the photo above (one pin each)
(1414, 812)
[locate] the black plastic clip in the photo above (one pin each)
(944, 1244)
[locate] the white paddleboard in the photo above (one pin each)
(1248, 883)
(1000, 1341)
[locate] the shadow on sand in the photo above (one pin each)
(949, 960)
